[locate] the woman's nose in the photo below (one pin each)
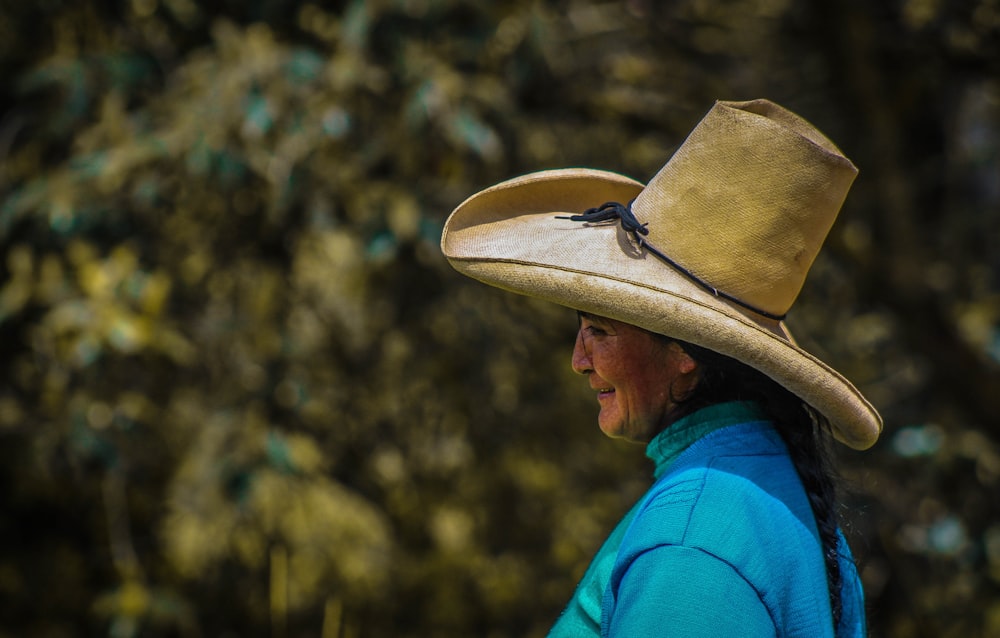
(581, 358)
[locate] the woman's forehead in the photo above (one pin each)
(589, 316)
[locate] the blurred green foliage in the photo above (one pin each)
(243, 394)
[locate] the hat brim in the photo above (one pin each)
(511, 236)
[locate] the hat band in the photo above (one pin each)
(611, 211)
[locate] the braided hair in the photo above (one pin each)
(805, 432)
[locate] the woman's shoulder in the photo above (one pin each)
(745, 458)
(710, 521)
(743, 509)
(732, 486)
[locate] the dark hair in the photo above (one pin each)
(806, 434)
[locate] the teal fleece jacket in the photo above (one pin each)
(723, 544)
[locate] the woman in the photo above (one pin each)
(681, 287)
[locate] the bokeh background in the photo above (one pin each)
(242, 394)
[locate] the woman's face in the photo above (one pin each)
(636, 374)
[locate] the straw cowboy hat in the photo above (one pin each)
(713, 251)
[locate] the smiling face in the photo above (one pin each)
(638, 376)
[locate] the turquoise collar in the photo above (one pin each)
(668, 445)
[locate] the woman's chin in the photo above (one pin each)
(615, 429)
(611, 427)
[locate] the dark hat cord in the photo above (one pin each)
(614, 210)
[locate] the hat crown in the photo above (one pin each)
(747, 200)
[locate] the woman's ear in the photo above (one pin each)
(685, 363)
